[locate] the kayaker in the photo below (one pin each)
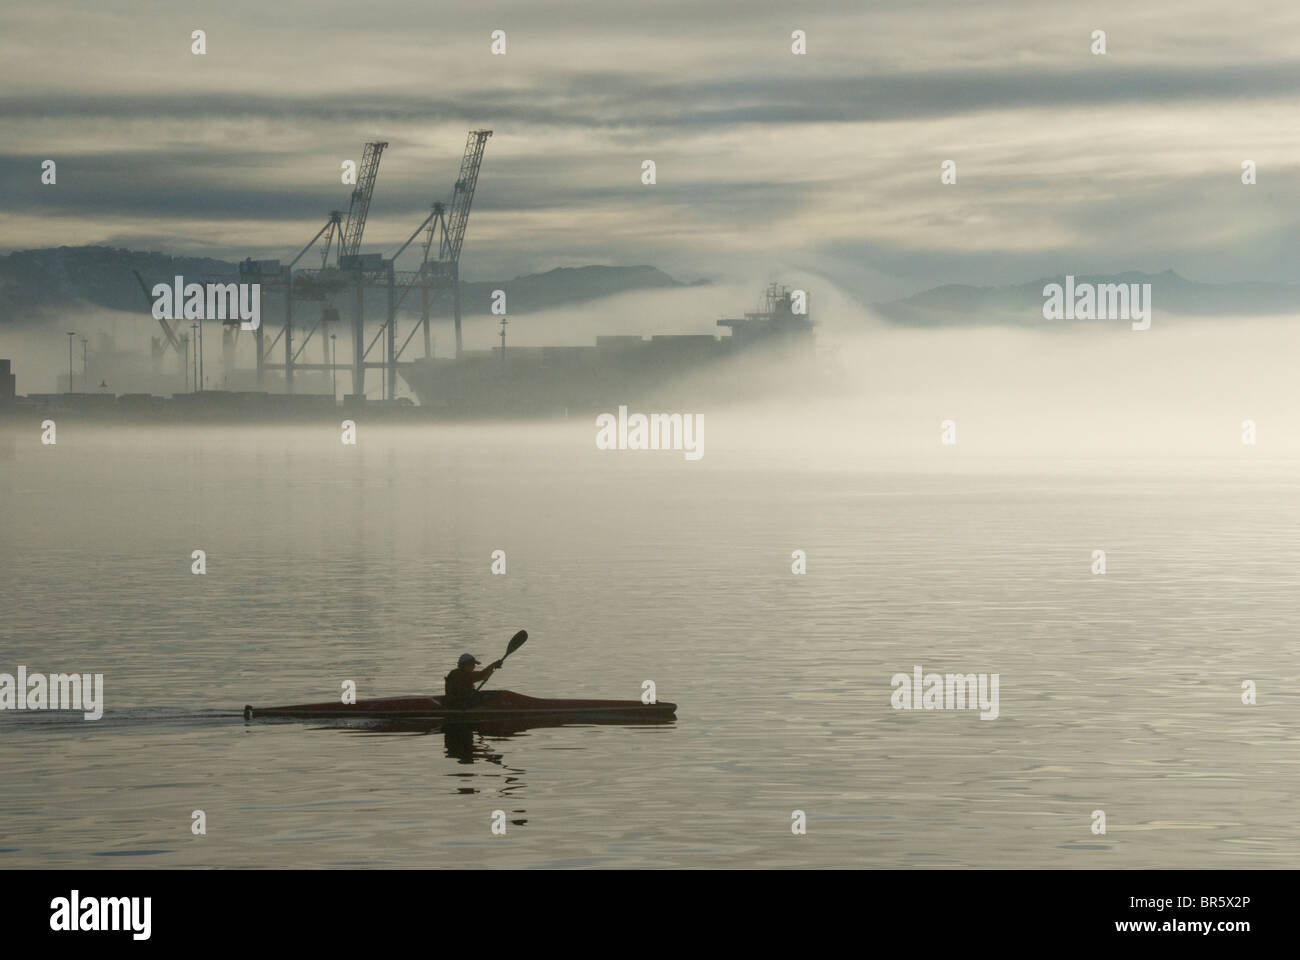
(459, 684)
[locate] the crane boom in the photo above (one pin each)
(356, 223)
(463, 196)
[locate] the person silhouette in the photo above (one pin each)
(459, 684)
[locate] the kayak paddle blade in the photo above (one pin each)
(516, 642)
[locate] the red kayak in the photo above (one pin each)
(490, 706)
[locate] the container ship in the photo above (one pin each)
(634, 370)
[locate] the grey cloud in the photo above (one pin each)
(648, 102)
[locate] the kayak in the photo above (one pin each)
(496, 705)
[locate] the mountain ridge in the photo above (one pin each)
(1022, 304)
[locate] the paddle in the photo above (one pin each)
(516, 642)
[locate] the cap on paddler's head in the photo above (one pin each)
(464, 659)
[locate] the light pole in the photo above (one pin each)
(85, 380)
(71, 334)
(200, 326)
(194, 336)
(334, 369)
(186, 340)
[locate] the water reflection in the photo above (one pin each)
(479, 742)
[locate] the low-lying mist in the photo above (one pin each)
(1184, 387)
(879, 391)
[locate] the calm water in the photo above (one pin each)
(328, 563)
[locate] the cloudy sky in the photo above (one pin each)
(826, 163)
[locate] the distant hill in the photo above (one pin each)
(38, 284)
(542, 291)
(1023, 304)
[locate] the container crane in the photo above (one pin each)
(453, 234)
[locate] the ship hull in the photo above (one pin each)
(559, 383)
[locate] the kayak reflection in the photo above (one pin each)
(457, 733)
(464, 741)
